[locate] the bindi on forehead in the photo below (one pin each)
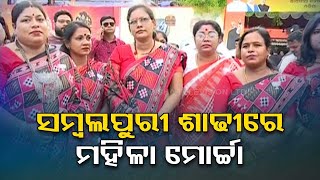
(83, 33)
(207, 30)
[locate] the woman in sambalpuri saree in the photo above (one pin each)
(151, 71)
(257, 88)
(308, 67)
(36, 78)
(204, 70)
(103, 91)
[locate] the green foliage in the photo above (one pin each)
(274, 16)
(276, 21)
(204, 6)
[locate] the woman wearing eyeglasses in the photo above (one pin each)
(150, 70)
(103, 48)
(203, 72)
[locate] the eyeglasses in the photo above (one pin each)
(202, 35)
(142, 20)
(106, 24)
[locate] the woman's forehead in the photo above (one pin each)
(31, 11)
(206, 28)
(82, 30)
(253, 37)
(140, 12)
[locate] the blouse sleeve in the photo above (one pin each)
(115, 61)
(76, 103)
(3, 80)
(180, 62)
(94, 49)
(3, 77)
(222, 94)
(121, 42)
(7, 64)
(294, 69)
(117, 95)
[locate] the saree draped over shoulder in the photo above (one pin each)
(309, 108)
(103, 87)
(198, 97)
(18, 94)
(147, 79)
(22, 99)
(275, 93)
(200, 86)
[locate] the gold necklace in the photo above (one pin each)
(245, 74)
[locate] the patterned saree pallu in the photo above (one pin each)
(273, 93)
(93, 78)
(47, 83)
(23, 99)
(277, 93)
(310, 107)
(199, 87)
(198, 97)
(148, 78)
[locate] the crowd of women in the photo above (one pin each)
(149, 76)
